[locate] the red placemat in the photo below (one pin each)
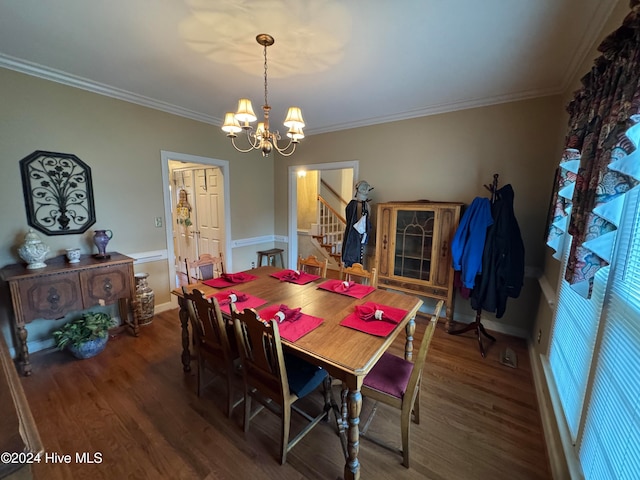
(354, 290)
(293, 276)
(381, 328)
(249, 301)
(289, 330)
(229, 279)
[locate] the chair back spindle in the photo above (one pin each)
(206, 267)
(358, 274)
(312, 265)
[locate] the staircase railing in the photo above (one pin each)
(331, 227)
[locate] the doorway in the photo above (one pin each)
(197, 212)
(294, 171)
(197, 209)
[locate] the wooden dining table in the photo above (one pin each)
(347, 354)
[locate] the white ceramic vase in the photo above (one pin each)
(33, 251)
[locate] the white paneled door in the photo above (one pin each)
(205, 197)
(210, 212)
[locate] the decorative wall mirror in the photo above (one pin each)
(58, 193)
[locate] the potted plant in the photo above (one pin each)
(85, 336)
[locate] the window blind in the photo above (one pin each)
(573, 339)
(610, 444)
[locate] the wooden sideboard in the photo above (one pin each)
(62, 287)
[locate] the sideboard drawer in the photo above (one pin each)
(104, 286)
(50, 297)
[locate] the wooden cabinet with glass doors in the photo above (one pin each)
(413, 248)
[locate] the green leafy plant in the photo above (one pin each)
(89, 326)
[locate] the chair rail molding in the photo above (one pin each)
(246, 242)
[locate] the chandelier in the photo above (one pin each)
(263, 138)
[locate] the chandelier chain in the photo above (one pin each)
(265, 76)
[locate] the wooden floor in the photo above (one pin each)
(135, 407)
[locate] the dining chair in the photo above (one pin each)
(312, 265)
(205, 267)
(273, 378)
(358, 274)
(214, 339)
(396, 382)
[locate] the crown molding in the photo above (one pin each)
(64, 78)
(441, 108)
(591, 34)
(58, 76)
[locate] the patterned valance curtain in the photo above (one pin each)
(601, 160)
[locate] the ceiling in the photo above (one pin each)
(346, 63)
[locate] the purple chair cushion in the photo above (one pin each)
(390, 375)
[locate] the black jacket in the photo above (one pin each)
(352, 246)
(502, 259)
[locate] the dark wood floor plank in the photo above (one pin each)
(135, 406)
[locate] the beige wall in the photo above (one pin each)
(341, 181)
(444, 157)
(307, 199)
(449, 157)
(121, 142)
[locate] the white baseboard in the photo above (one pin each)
(45, 343)
(165, 307)
(35, 346)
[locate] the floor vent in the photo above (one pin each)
(509, 358)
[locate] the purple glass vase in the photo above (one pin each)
(101, 238)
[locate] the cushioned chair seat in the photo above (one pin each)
(303, 377)
(390, 375)
(396, 382)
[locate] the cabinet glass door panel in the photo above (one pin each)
(413, 244)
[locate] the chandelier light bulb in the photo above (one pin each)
(294, 118)
(295, 134)
(245, 112)
(231, 125)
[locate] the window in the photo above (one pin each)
(573, 340)
(594, 359)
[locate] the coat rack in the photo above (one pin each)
(477, 325)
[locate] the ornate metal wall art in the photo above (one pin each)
(58, 193)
